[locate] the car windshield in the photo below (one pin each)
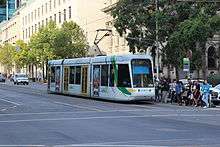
(217, 87)
(21, 76)
(142, 73)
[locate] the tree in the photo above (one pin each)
(137, 19)
(70, 42)
(2, 2)
(193, 35)
(7, 53)
(21, 55)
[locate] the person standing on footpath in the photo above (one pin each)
(205, 93)
(178, 89)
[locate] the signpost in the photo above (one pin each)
(186, 66)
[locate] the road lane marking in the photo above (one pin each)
(78, 106)
(16, 145)
(3, 99)
(135, 143)
(79, 112)
(97, 117)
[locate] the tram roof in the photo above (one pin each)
(99, 59)
(55, 62)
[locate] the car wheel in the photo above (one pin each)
(14, 83)
(27, 83)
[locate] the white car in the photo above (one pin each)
(215, 92)
(20, 79)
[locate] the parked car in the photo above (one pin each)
(20, 78)
(215, 94)
(2, 78)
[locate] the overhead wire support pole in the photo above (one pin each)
(157, 45)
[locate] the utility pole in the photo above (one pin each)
(157, 45)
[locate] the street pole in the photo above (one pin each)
(157, 45)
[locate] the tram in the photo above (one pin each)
(117, 78)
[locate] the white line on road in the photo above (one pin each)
(98, 117)
(78, 112)
(10, 102)
(77, 106)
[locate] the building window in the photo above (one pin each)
(42, 23)
(50, 5)
(54, 3)
(38, 11)
(26, 34)
(70, 12)
(29, 18)
(35, 14)
(25, 20)
(59, 2)
(64, 14)
(29, 32)
(46, 8)
(35, 27)
(64, 1)
(55, 18)
(50, 18)
(59, 17)
(32, 16)
(39, 25)
(42, 10)
(46, 21)
(23, 34)
(32, 30)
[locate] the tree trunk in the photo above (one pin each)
(198, 76)
(36, 72)
(177, 72)
(43, 71)
(32, 71)
(204, 59)
(168, 72)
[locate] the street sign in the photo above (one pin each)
(186, 64)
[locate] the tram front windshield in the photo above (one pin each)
(142, 73)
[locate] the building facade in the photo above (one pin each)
(34, 14)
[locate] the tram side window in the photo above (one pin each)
(72, 75)
(78, 75)
(104, 75)
(124, 79)
(52, 74)
(111, 76)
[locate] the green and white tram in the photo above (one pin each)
(118, 78)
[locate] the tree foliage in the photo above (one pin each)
(7, 53)
(70, 41)
(181, 26)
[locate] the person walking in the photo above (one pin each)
(205, 93)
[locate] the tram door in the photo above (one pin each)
(84, 79)
(66, 79)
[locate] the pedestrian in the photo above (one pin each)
(196, 93)
(205, 93)
(172, 91)
(178, 89)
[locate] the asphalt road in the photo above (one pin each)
(31, 117)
